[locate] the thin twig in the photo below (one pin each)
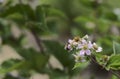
(114, 50)
(38, 41)
(92, 59)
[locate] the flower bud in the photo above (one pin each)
(76, 39)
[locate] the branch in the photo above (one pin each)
(38, 41)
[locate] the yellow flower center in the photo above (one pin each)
(85, 47)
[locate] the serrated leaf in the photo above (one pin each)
(113, 63)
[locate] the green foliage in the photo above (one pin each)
(58, 20)
(80, 65)
(113, 63)
(116, 48)
(61, 54)
(10, 65)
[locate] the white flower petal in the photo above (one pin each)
(70, 41)
(86, 37)
(99, 49)
(90, 45)
(94, 44)
(75, 43)
(84, 41)
(79, 46)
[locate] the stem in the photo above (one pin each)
(114, 51)
(117, 75)
(92, 59)
(38, 41)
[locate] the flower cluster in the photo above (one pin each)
(82, 47)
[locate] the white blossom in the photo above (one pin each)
(82, 47)
(99, 49)
(96, 48)
(79, 58)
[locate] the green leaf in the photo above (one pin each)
(111, 16)
(83, 19)
(23, 9)
(57, 74)
(113, 63)
(102, 59)
(16, 17)
(10, 65)
(5, 30)
(99, 59)
(57, 13)
(40, 61)
(106, 43)
(116, 48)
(60, 53)
(35, 59)
(41, 17)
(32, 60)
(104, 23)
(80, 65)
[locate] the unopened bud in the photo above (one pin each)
(77, 39)
(105, 58)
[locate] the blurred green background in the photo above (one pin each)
(33, 34)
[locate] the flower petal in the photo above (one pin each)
(82, 53)
(88, 52)
(99, 49)
(90, 45)
(79, 46)
(70, 41)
